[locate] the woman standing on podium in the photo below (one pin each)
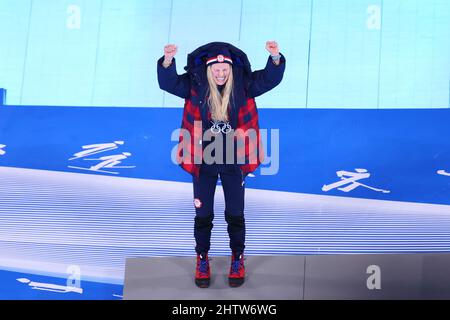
(219, 117)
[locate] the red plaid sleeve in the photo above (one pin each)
(249, 149)
(189, 152)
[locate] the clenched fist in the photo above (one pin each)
(170, 51)
(272, 47)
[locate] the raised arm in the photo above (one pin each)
(168, 78)
(268, 78)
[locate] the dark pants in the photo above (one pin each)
(204, 189)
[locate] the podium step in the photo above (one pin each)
(172, 278)
(311, 277)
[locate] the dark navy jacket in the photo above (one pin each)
(193, 86)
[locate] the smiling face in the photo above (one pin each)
(220, 72)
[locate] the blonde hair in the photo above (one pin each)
(218, 103)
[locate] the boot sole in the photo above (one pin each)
(235, 282)
(202, 283)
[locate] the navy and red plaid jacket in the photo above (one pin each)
(243, 115)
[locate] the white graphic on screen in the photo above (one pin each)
(73, 21)
(350, 179)
(374, 19)
(443, 173)
(105, 162)
(91, 149)
(2, 152)
(50, 286)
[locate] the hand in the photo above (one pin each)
(272, 47)
(170, 51)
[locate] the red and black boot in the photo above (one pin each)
(202, 271)
(237, 270)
